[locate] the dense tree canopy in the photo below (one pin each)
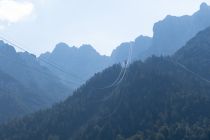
(163, 98)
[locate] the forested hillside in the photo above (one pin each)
(163, 98)
(12, 96)
(26, 86)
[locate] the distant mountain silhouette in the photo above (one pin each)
(28, 83)
(139, 46)
(169, 35)
(33, 87)
(78, 64)
(173, 32)
(163, 98)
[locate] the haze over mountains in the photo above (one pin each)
(163, 98)
(27, 86)
(173, 32)
(79, 64)
(157, 98)
(170, 34)
(139, 47)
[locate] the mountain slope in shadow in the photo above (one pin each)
(161, 98)
(34, 87)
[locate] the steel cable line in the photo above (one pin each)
(53, 65)
(175, 62)
(120, 79)
(31, 68)
(128, 63)
(122, 72)
(192, 72)
(116, 80)
(116, 85)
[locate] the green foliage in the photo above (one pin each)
(157, 100)
(53, 137)
(138, 136)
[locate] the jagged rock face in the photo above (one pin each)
(157, 99)
(28, 86)
(78, 64)
(139, 46)
(173, 32)
(170, 34)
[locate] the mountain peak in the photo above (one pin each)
(62, 47)
(204, 6)
(6, 48)
(28, 57)
(87, 47)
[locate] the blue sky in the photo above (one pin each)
(38, 25)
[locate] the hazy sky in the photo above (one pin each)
(38, 25)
